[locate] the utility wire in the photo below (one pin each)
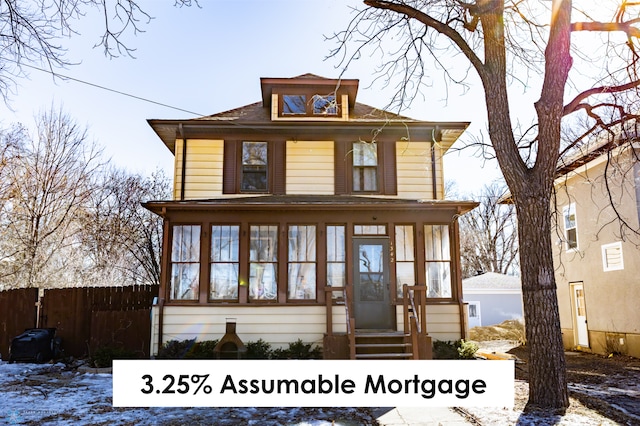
(66, 77)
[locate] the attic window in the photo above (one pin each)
(325, 105)
(294, 105)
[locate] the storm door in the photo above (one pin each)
(371, 290)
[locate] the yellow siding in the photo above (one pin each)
(280, 325)
(203, 177)
(414, 170)
(443, 321)
(310, 167)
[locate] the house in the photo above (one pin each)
(597, 257)
(302, 216)
(492, 298)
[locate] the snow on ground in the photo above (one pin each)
(53, 394)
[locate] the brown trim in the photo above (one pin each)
(184, 163)
(230, 167)
(389, 168)
(341, 159)
(278, 167)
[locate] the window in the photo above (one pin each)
(370, 229)
(612, 257)
(254, 167)
(405, 260)
(325, 105)
(224, 262)
(263, 262)
(365, 167)
(336, 257)
(570, 226)
(302, 262)
(438, 260)
(294, 105)
(185, 262)
(473, 310)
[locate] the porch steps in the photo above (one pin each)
(382, 345)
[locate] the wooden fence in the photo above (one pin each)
(17, 312)
(89, 318)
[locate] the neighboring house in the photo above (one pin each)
(597, 261)
(492, 298)
(278, 203)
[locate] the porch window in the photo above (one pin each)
(370, 229)
(438, 260)
(570, 226)
(263, 262)
(224, 262)
(254, 167)
(336, 255)
(185, 262)
(365, 167)
(405, 257)
(302, 262)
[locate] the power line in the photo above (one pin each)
(66, 77)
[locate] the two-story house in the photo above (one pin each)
(285, 208)
(597, 260)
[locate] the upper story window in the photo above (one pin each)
(570, 226)
(254, 167)
(294, 105)
(308, 105)
(325, 105)
(365, 167)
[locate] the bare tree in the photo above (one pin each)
(31, 32)
(504, 42)
(122, 240)
(49, 183)
(488, 235)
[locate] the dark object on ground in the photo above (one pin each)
(35, 344)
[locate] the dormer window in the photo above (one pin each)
(308, 105)
(325, 105)
(294, 105)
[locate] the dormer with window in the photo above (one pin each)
(309, 97)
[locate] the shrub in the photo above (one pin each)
(104, 356)
(298, 350)
(175, 349)
(258, 350)
(454, 350)
(202, 350)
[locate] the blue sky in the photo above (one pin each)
(208, 60)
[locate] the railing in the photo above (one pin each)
(350, 321)
(415, 319)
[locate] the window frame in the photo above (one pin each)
(260, 263)
(446, 253)
(310, 99)
(309, 259)
(566, 213)
(198, 262)
(232, 168)
(387, 176)
(236, 262)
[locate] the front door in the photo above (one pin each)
(371, 290)
(580, 315)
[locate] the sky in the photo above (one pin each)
(210, 59)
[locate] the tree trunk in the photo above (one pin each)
(547, 370)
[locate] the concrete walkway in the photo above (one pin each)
(419, 416)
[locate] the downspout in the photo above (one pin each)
(184, 161)
(436, 136)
